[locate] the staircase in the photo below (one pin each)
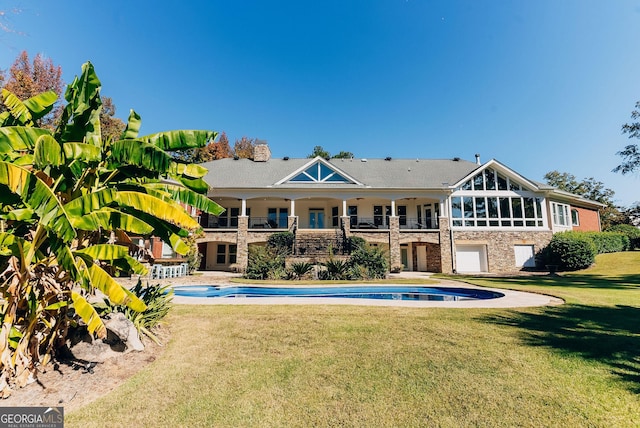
(318, 242)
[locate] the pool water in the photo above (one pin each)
(351, 292)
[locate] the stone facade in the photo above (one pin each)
(500, 245)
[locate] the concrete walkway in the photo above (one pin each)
(511, 299)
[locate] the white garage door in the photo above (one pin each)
(471, 258)
(525, 256)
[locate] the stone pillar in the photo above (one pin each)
(242, 257)
(291, 220)
(394, 241)
(346, 225)
(446, 250)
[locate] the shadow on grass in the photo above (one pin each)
(606, 334)
(618, 282)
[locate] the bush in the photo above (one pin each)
(335, 270)
(372, 259)
(609, 242)
(632, 232)
(265, 263)
(571, 251)
(158, 300)
(355, 242)
(281, 242)
(299, 270)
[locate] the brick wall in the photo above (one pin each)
(589, 220)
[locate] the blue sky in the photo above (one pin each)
(539, 85)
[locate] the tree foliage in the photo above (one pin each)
(243, 148)
(319, 151)
(68, 199)
(630, 154)
(110, 126)
(591, 189)
(214, 150)
(29, 78)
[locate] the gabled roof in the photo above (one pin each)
(500, 167)
(368, 173)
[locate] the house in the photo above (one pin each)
(436, 215)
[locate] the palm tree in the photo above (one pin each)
(63, 197)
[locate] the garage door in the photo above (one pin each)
(471, 258)
(525, 256)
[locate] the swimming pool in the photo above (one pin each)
(381, 292)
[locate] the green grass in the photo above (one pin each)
(571, 365)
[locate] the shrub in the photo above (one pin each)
(571, 251)
(632, 232)
(264, 263)
(299, 270)
(372, 259)
(608, 242)
(281, 242)
(158, 300)
(355, 242)
(335, 270)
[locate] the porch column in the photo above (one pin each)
(293, 208)
(447, 246)
(243, 211)
(242, 255)
(393, 208)
(394, 241)
(344, 208)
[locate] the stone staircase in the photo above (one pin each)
(318, 242)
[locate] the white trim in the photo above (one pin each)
(318, 160)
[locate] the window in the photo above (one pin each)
(319, 173)
(353, 215)
(226, 254)
(334, 217)
(402, 213)
(277, 217)
(467, 211)
(575, 217)
(560, 214)
(490, 179)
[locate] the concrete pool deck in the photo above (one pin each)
(511, 299)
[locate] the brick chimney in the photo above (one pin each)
(261, 152)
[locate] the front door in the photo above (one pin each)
(316, 218)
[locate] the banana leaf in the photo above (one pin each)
(186, 196)
(19, 138)
(36, 195)
(190, 170)
(82, 151)
(91, 202)
(133, 126)
(196, 184)
(110, 219)
(116, 293)
(140, 154)
(22, 214)
(17, 109)
(80, 119)
(47, 152)
(88, 315)
(107, 252)
(179, 140)
(41, 104)
(156, 207)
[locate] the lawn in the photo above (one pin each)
(576, 364)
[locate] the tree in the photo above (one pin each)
(110, 126)
(319, 151)
(214, 150)
(243, 148)
(630, 154)
(28, 79)
(588, 188)
(343, 155)
(64, 198)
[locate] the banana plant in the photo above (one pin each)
(63, 195)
